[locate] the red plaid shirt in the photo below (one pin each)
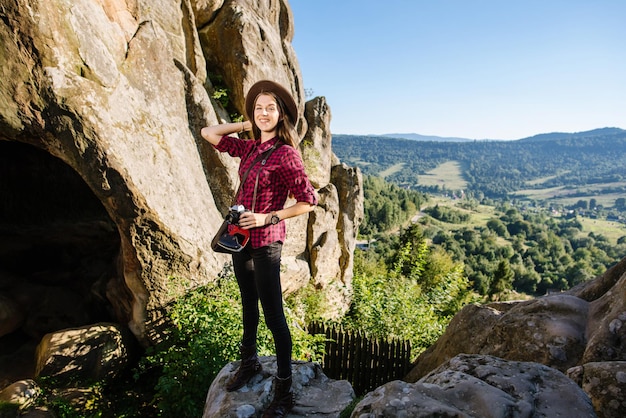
(282, 173)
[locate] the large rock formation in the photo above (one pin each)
(480, 386)
(580, 332)
(112, 94)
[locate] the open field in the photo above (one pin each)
(606, 200)
(391, 170)
(361, 163)
(448, 175)
(611, 230)
(479, 217)
(544, 179)
(569, 196)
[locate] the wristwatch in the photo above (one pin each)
(274, 219)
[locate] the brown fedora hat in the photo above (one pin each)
(267, 86)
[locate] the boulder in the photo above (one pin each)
(605, 383)
(23, 393)
(316, 395)
(82, 356)
(606, 322)
(480, 386)
(580, 332)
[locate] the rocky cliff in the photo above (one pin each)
(101, 103)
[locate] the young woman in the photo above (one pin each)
(272, 114)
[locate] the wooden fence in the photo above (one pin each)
(363, 361)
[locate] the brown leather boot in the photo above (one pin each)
(283, 400)
(248, 367)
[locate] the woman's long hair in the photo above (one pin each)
(285, 128)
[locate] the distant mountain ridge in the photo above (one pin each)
(495, 169)
(539, 137)
(418, 137)
(586, 134)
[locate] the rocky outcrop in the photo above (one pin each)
(605, 383)
(579, 332)
(549, 330)
(316, 395)
(117, 90)
(480, 386)
(246, 41)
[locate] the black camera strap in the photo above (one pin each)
(263, 157)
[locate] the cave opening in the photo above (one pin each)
(58, 253)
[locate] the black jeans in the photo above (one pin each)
(258, 275)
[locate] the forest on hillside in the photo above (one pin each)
(495, 169)
(517, 247)
(512, 249)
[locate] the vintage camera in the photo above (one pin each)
(231, 238)
(234, 212)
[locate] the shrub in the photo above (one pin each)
(412, 296)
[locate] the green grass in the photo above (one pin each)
(544, 179)
(611, 230)
(478, 217)
(606, 200)
(482, 214)
(448, 175)
(569, 196)
(391, 170)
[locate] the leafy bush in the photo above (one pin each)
(8, 409)
(411, 296)
(91, 403)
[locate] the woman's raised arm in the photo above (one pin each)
(214, 133)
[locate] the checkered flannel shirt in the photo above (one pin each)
(283, 173)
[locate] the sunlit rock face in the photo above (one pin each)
(117, 92)
(580, 332)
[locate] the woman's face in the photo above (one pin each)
(266, 113)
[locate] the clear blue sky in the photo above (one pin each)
(482, 69)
